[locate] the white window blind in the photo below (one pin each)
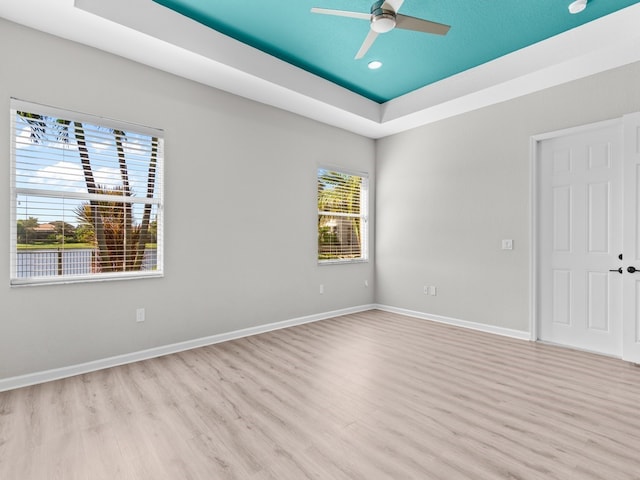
(86, 197)
(342, 216)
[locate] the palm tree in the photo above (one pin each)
(101, 239)
(146, 216)
(120, 236)
(141, 232)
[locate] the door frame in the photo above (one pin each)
(534, 214)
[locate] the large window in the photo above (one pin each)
(86, 197)
(342, 216)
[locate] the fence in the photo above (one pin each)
(51, 263)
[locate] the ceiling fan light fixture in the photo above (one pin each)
(383, 23)
(577, 6)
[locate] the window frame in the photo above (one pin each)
(363, 216)
(157, 201)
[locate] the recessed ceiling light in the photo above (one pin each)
(374, 65)
(577, 6)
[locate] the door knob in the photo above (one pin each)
(619, 270)
(632, 269)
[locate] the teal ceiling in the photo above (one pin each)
(481, 31)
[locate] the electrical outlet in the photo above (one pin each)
(140, 315)
(321, 289)
(433, 291)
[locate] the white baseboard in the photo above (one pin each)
(505, 332)
(64, 372)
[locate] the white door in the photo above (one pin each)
(631, 292)
(580, 238)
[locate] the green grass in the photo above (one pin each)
(54, 246)
(66, 246)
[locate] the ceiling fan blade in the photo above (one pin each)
(366, 45)
(392, 5)
(342, 13)
(419, 25)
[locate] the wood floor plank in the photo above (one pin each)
(372, 395)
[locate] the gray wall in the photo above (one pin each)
(240, 218)
(447, 193)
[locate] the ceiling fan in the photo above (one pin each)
(384, 18)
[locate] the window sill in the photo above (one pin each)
(343, 262)
(34, 282)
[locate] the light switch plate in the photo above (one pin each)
(507, 244)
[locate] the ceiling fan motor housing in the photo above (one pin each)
(382, 19)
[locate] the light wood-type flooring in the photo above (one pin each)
(366, 396)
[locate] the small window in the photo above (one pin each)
(86, 197)
(342, 216)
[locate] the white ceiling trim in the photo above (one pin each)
(148, 33)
